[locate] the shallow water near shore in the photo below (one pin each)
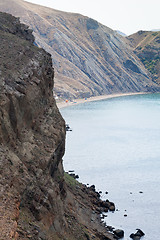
(115, 144)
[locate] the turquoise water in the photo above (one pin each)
(115, 144)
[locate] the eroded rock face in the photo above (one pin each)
(32, 131)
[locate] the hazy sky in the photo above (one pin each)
(128, 16)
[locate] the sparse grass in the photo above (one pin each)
(70, 180)
(25, 216)
(151, 65)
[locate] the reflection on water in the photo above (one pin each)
(115, 144)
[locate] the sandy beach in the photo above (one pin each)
(63, 104)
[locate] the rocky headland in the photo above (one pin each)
(38, 200)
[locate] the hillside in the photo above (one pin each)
(147, 47)
(89, 59)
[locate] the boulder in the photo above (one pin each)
(111, 206)
(137, 235)
(118, 233)
(140, 232)
(93, 188)
(136, 238)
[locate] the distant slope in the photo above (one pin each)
(89, 59)
(147, 48)
(155, 30)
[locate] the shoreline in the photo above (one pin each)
(64, 104)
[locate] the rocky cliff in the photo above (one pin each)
(89, 59)
(37, 201)
(32, 132)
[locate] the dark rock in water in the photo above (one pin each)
(137, 235)
(68, 128)
(98, 195)
(118, 233)
(112, 206)
(105, 204)
(74, 175)
(105, 210)
(93, 187)
(136, 238)
(139, 231)
(110, 228)
(132, 235)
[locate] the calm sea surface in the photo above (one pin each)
(115, 144)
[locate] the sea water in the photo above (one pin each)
(115, 144)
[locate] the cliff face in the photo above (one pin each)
(32, 132)
(36, 200)
(147, 47)
(89, 59)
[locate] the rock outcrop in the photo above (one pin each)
(89, 59)
(36, 200)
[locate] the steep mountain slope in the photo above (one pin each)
(37, 200)
(89, 58)
(147, 48)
